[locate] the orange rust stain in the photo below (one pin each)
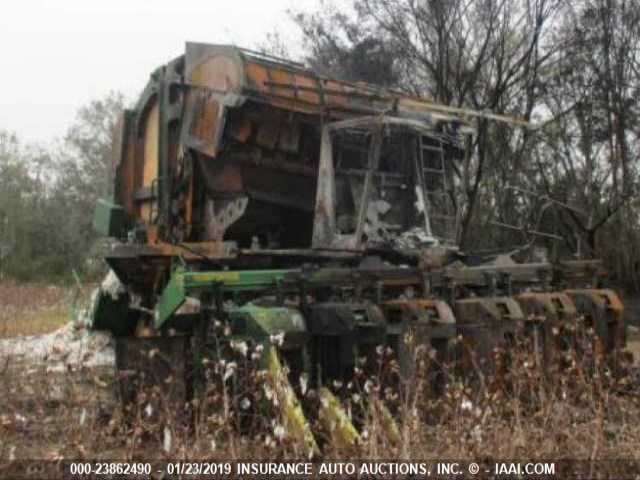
(268, 134)
(308, 82)
(338, 99)
(145, 211)
(241, 129)
(284, 78)
(614, 301)
(218, 72)
(205, 123)
(257, 75)
(152, 235)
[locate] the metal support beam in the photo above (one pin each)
(372, 167)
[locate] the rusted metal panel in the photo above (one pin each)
(239, 74)
(204, 103)
(268, 133)
(241, 129)
(421, 332)
(223, 176)
(150, 135)
(204, 124)
(258, 76)
(488, 327)
(219, 68)
(604, 312)
(426, 310)
(306, 87)
(550, 321)
(287, 189)
(205, 119)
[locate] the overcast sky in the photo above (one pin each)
(57, 55)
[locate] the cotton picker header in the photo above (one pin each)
(253, 192)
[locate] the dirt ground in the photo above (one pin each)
(34, 309)
(27, 309)
(45, 326)
(57, 376)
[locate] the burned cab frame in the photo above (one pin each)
(385, 181)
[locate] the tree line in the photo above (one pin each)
(47, 195)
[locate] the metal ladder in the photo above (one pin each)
(433, 176)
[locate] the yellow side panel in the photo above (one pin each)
(150, 166)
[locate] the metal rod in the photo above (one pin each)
(524, 230)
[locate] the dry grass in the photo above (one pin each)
(34, 309)
(584, 411)
(633, 341)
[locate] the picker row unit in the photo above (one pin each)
(253, 194)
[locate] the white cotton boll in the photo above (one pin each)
(166, 441)
(277, 339)
(466, 405)
(148, 410)
(368, 385)
(268, 392)
(83, 416)
(229, 370)
(240, 347)
(279, 431)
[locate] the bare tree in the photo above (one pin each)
(585, 156)
(484, 54)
